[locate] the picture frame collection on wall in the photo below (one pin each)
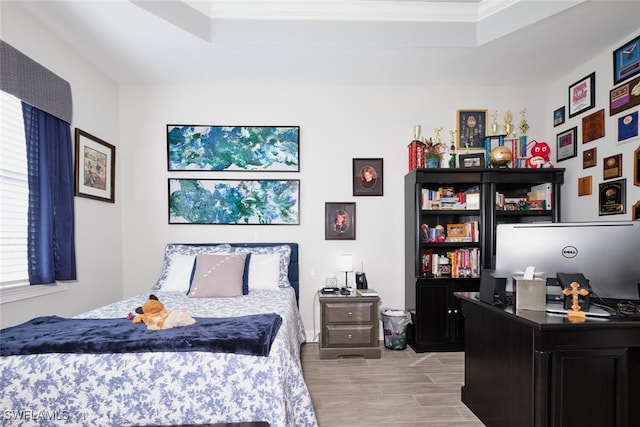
(367, 179)
(219, 149)
(624, 100)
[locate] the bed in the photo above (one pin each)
(177, 387)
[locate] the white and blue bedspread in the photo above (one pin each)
(166, 388)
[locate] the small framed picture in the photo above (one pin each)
(558, 116)
(584, 185)
(635, 211)
(367, 177)
(589, 158)
(612, 195)
(582, 95)
(636, 167)
(472, 127)
(474, 160)
(626, 60)
(628, 127)
(623, 97)
(340, 221)
(593, 126)
(95, 167)
(612, 167)
(566, 144)
(456, 230)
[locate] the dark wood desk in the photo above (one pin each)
(535, 369)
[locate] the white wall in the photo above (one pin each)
(586, 208)
(98, 225)
(336, 125)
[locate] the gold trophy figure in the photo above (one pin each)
(508, 126)
(495, 127)
(524, 126)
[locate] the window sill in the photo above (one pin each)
(20, 292)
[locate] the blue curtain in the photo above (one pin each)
(51, 237)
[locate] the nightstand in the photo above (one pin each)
(349, 326)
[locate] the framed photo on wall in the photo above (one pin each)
(626, 60)
(636, 167)
(367, 177)
(558, 116)
(566, 144)
(472, 127)
(582, 95)
(95, 167)
(339, 221)
(612, 196)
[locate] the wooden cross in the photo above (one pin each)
(575, 311)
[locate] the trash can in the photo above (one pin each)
(394, 326)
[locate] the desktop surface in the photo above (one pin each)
(606, 312)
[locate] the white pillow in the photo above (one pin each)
(179, 273)
(264, 271)
(284, 251)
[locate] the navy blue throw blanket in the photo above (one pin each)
(251, 335)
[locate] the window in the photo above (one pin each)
(14, 194)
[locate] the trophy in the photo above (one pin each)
(524, 126)
(508, 126)
(495, 127)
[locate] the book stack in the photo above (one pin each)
(450, 203)
(366, 292)
(416, 154)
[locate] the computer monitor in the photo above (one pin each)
(606, 253)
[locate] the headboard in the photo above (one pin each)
(294, 271)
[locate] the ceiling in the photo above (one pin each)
(338, 42)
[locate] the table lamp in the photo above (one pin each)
(346, 265)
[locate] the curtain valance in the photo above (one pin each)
(34, 84)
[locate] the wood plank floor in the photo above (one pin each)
(402, 389)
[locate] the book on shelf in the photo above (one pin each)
(458, 263)
(366, 292)
(542, 192)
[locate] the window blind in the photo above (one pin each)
(14, 193)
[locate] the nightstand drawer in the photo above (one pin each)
(349, 336)
(355, 312)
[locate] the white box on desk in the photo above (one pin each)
(530, 294)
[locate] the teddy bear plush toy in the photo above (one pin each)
(153, 314)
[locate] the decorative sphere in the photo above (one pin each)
(500, 156)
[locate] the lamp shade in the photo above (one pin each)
(346, 262)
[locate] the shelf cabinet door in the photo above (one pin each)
(432, 323)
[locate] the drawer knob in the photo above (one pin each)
(350, 336)
(350, 314)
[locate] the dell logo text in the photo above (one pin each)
(569, 252)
